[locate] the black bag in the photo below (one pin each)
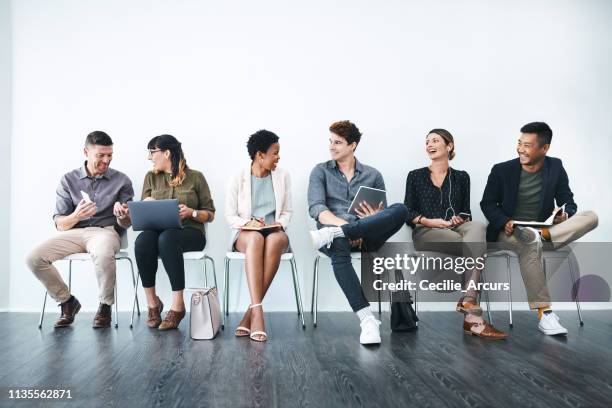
(403, 316)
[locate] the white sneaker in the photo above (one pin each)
(322, 237)
(528, 235)
(370, 333)
(549, 325)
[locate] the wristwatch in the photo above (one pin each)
(194, 214)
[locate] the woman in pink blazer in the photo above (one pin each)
(258, 209)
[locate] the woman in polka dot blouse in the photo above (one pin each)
(438, 201)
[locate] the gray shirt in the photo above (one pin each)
(263, 204)
(329, 189)
(104, 190)
(529, 195)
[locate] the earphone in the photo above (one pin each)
(450, 189)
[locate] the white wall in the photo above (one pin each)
(5, 152)
(211, 73)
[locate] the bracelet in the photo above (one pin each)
(418, 221)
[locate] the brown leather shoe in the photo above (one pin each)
(488, 332)
(154, 317)
(468, 305)
(69, 309)
(172, 320)
(102, 317)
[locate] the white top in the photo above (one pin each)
(238, 200)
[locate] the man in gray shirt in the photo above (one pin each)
(90, 222)
(331, 189)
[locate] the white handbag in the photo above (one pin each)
(205, 314)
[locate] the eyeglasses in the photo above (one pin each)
(151, 151)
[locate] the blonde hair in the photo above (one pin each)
(180, 174)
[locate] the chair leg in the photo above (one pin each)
(486, 294)
(212, 261)
(70, 276)
(575, 289)
(509, 274)
(42, 314)
(379, 303)
(225, 291)
(116, 307)
(134, 283)
(295, 291)
(296, 286)
(315, 291)
(313, 285)
(135, 299)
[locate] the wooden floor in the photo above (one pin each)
(324, 367)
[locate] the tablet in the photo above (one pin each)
(372, 196)
(157, 215)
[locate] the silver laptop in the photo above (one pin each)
(157, 215)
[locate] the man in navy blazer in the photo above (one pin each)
(530, 188)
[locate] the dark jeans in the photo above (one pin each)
(169, 245)
(374, 231)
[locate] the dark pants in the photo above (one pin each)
(169, 245)
(374, 231)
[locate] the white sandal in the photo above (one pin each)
(242, 328)
(258, 333)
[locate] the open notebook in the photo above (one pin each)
(548, 222)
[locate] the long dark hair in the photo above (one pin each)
(177, 157)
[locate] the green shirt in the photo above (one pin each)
(193, 192)
(529, 195)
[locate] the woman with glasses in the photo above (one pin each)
(171, 178)
(258, 209)
(438, 201)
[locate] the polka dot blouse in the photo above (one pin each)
(424, 198)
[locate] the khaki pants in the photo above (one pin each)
(530, 255)
(466, 240)
(101, 243)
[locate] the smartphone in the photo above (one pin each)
(465, 216)
(85, 196)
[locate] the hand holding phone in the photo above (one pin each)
(86, 197)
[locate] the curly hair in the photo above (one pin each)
(346, 130)
(260, 141)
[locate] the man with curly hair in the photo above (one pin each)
(332, 187)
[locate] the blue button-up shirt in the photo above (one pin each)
(329, 189)
(105, 190)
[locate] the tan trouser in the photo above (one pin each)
(467, 240)
(530, 255)
(101, 243)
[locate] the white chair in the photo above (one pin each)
(187, 256)
(555, 254)
(239, 256)
(355, 256)
(84, 256)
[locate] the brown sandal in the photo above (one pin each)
(488, 332)
(468, 305)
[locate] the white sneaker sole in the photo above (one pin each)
(374, 341)
(313, 239)
(553, 332)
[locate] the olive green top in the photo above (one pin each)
(194, 192)
(529, 194)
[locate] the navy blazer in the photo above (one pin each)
(500, 195)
